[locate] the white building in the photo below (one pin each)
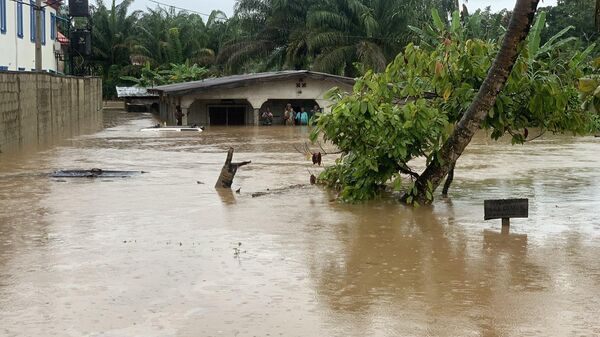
(17, 35)
(240, 99)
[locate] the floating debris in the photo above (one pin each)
(94, 173)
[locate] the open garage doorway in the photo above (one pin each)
(227, 115)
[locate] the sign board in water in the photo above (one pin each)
(506, 208)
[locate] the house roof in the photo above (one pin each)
(236, 81)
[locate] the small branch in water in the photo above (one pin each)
(229, 170)
(538, 136)
(309, 153)
(407, 170)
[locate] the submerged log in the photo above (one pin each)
(228, 171)
(94, 173)
(278, 190)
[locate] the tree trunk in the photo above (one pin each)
(448, 182)
(597, 15)
(228, 171)
(470, 123)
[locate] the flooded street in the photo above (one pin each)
(164, 254)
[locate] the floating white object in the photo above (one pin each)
(174, 129)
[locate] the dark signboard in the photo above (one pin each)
(79, 8)
(81, 42)
(506, 208)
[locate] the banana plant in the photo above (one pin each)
(534, 46)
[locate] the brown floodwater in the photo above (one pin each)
(164, 254)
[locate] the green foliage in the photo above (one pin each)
(576, 13)
(377, 135)
(325, 35)
(408, 111)
(112, 34)
(346, 37)
(177, 73)
(589, 88)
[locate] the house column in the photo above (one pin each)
(256, 103)
(256, 116)
(184, 119)
(186, 105)
(325, 105)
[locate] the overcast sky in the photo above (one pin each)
(206, 6)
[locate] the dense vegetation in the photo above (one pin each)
(409, 110)
(418, 90)
(346, 37)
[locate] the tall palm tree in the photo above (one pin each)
(269, 34)
(112, 31)
(345, 31)
(165, 37)
(370, 32)
(597, 16)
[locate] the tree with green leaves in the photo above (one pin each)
(271, 35)
(350, 31)
(113, 37)
(576, 13)
(112, 31)
(165, 37)
(176, 73)
(431, 100)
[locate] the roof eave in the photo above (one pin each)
(245, 82)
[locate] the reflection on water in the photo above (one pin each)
(154, 255)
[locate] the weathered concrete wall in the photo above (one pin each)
(40, 109)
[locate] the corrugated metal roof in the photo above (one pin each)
(236, 81)
(134, 92)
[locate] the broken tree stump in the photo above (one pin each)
(228, 171)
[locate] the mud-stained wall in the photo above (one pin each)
(40, 109)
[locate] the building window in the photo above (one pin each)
(32, 20)
(52, 26)
(20, 19)
(3, 16)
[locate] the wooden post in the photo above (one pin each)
(228, 171)
(505, 226)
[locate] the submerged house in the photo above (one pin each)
(240, 99)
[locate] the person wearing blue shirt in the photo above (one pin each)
(303, 117)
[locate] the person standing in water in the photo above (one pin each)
(314, 112)
(303, 117)
(179, 115)
(288, 115)
(268, 116)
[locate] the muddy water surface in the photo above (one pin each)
(164, 254)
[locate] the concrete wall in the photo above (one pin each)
(18, 53)
(38, 109)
